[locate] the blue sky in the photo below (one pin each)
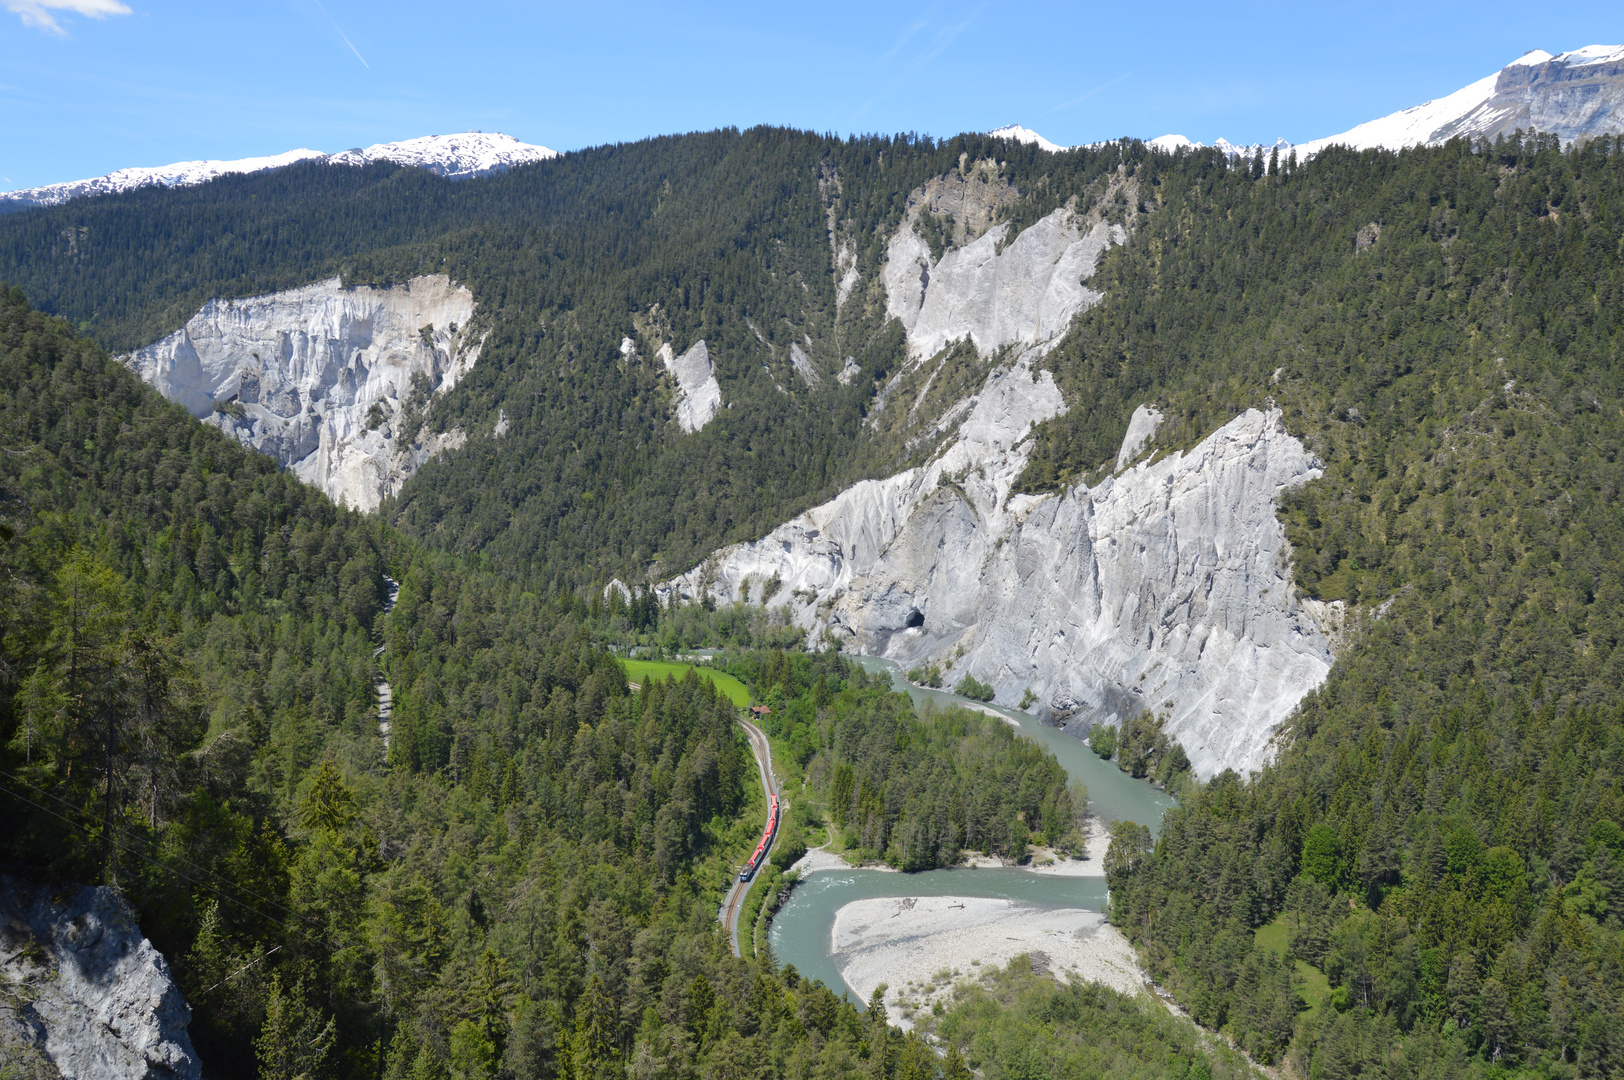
(87, 86)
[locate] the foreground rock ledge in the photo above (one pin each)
(83, 991)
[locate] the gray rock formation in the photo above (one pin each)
(1577, 95)
(1142, 427)
(1167, 587)
(321, 377)
(1021, 292)
(803, 366)
(81, 989)
(699, 397)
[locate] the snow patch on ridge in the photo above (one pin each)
(456, 157)
(1026, 135)
(180, 174)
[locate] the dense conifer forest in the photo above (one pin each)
(725, 236)
(1439, 844)
(526, 883)
(1429, 880)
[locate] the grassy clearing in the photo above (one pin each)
(638, 671)
(1309, 980)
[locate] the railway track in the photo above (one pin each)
(729, 915)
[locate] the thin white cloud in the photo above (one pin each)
(907, 35)
(1084, 97)
(340, 31)
(40, 13)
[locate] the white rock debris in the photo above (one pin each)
(906, 943)
(1026, 293)
(318, 377)
(699, 397)
(849, 372)
(80, 987)
(803, 366)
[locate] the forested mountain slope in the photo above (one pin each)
(187, 620)
(1434, 853)
(1440, 836)
(526, 886)
(727, 237)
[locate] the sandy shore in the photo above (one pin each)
(1045, 861)
(1092, 864)
(921, 947)
(819, 858)
(994, 713)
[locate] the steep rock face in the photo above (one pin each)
(699, 396)
(81, 988)
(321, 377)
(997, 294)
(1166, 587)
(1577, 95)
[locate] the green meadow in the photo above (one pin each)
(639, 671)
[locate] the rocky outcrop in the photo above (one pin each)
(997, 293)
(324, 378)
(1142, 427)
(1166, 587)
(1576, 95)
(82, 990)
(698, 397)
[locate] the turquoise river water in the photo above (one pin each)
(802, 930)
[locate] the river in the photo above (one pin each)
(801, 931)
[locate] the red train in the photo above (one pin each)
(760, 854)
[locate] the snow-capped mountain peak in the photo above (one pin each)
(1027, 136)
(1577, 94)
(179, 174)
(456, 157)
(1170, 143)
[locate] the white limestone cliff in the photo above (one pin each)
(1166, 587)
(1142, 427)
(82, 991)
(996, 293)
(321, 377)
(698, 396)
